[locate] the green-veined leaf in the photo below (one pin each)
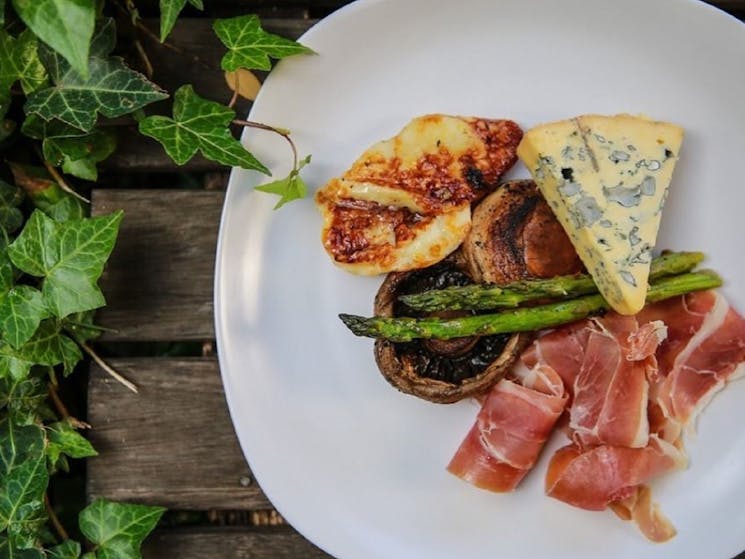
(199, 125)
(118, 529)
(22, 483)
(65, 25)
(82, 327)
(48, 346)
(11, 217)
(249, 46)
(68, 549)
(19, 61)
(111, 88)
(12, 552)
(62, 438)
(21, 311)
(169, 11)
(23, 398)
(78, 156)
(69, 255)
(290, 188)
(46, 194)
(36, 127)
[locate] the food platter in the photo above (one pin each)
(359, 468)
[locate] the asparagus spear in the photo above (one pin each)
(523, 319)
(489, 296)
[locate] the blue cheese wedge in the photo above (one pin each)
(606, 178)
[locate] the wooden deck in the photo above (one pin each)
(173, 443)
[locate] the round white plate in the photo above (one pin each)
(359, 468)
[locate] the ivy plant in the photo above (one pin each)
(61, 80)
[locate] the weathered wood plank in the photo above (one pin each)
(173, 443)
(230, 543)
(158, 282)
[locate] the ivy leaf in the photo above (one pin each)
(11, 552)
(19, 61)
(46, 194)
(118, 529)
(37, 128)
(290, 188)
(111, 87)
(21, 311)
(23, 398)
(24, 478)
(68, 549)
(249, 46)
(199, 125)
(64, 25)
(78, 156)
(48, 346)
(69, 255)
(62, 438)
(11, 217)
(169, 11)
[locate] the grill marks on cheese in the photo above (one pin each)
(406, 202)
(606, 179)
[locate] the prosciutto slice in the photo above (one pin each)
(704, 350)
(611, 388)
(511, 428)
(592, 479)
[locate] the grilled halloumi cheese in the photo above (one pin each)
(406, 202)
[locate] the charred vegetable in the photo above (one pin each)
(489, 296)
(525, 319)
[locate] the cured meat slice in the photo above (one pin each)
(646, 514)
(511, 428)
(705, 349)
(611, 388)
(592, 479)
(563, 350)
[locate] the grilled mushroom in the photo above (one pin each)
(514, 235)
(442, 371)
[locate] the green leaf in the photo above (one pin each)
(68, 549)
(23, 398)
(64, 439)
(169, 11)
(111, 88)
(48, 346)
(69, 255)
(64, 25)
(199, 125)
(36, 127)
(46, 194)
(78, 156)
(249, 46)
(118, 529)
(11, 217)
(23, 482)
(6, 266)
(19, 61)
(21, 312)
(11, 552)
(290, 188)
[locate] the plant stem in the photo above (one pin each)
(106, 367)
(62, 409)
(236, 87)
(59, 179)
(281, 131)
(61, 532)
(524, 319)
(488, 296)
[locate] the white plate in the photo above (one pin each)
(355, 466)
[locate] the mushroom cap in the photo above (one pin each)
(441, 371)
(515, 235)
